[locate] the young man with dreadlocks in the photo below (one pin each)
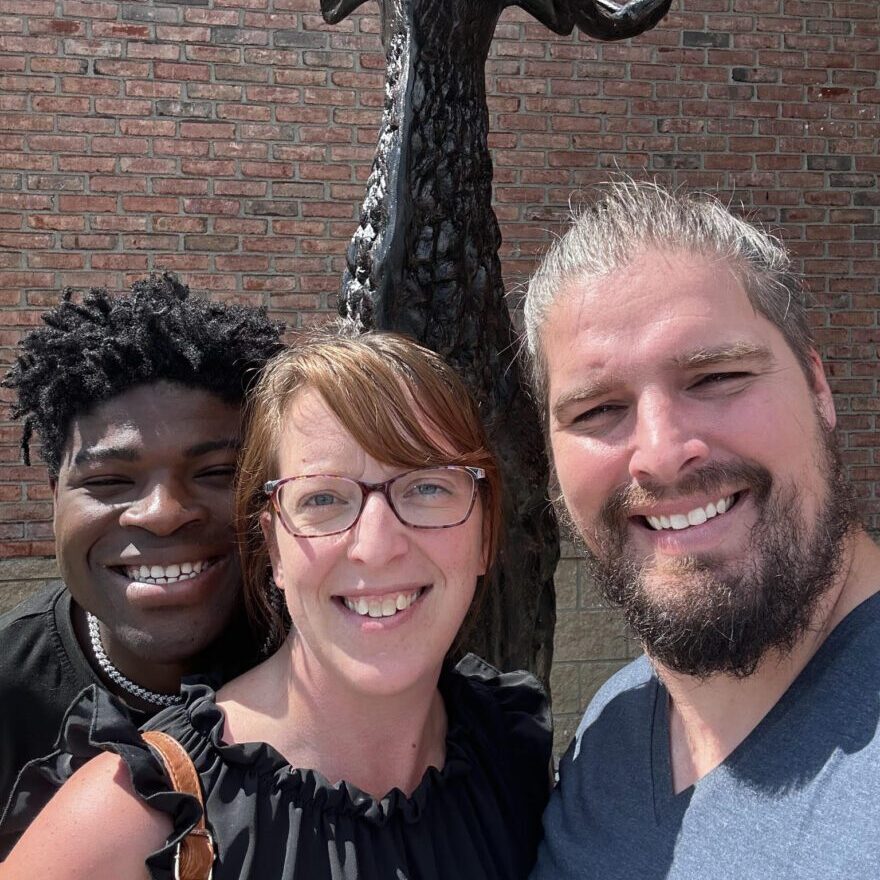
(137, 403)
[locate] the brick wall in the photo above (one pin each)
(229, 140)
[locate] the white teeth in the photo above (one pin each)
(695, 517)
(387, 606)
(165, 574)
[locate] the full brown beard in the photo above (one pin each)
(707, 616)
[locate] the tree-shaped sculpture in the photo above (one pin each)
(424, 261)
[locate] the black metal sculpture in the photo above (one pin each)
(424, 261)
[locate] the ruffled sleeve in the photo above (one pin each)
(505, 719)
(94, 723)
(516, 699)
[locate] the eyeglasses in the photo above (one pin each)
(317, 505)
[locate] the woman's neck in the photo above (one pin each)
(317, 721)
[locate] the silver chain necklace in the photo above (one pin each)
(115, 675)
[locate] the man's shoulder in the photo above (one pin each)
(39, 647)
(34, 609)
(621, 704)
(632, 678)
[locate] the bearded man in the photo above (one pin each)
(692, 431)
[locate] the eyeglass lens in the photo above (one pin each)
(428, 498)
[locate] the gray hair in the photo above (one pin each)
(629, 217)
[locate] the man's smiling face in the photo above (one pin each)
(687, 439)
(143, 521)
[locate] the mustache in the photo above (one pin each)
(710, 478)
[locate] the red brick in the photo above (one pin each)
(152, 89)
(147, 127)
(239, 226)
(28, 45)
(278, 170)
(85, 85)
(125, 31)
(56, 222)
(150, 204)
(146, 165)
(182, 34)
(210, 130)
(117, 184)
(24, 202)
(241, 150)
(53, 104)
(86, 125)
(165, 52)
(93, 48)
(181, 72)
(124, 69)
(107, 107)
(196, 167)
(213, 207)
(90, 9)
(180, 224)
(176, 147)
(118, 223)
(119, 145)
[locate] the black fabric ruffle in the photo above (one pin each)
(477, 817)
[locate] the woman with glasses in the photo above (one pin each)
(355, 751)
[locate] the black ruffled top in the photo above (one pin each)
(478, 818)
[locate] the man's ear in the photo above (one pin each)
(822, 391)
(267, 526)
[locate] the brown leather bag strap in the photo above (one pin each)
(194, 855)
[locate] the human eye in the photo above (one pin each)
(312, 495)
(597, 417)
(432, 487)
(429, 488)
(720, 379)
(597, 412)
(320, 499)
(318, 503)
(105, 482)
(218, 472)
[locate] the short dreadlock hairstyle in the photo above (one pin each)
(90, 352)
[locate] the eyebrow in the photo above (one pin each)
(725, 354)
(719, 355)
(103, 454)
(587, 391)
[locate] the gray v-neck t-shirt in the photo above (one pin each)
(798, 799)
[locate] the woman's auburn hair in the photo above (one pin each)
(402, 403)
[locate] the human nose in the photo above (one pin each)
(666, 441)
(378, 536)
(163, 509)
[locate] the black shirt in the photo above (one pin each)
(42, 670)
(476, 818)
